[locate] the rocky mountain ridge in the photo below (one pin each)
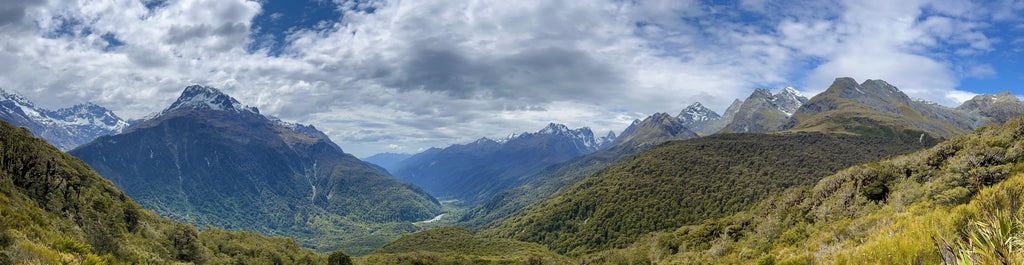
(64, 128)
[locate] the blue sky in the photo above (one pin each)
(401, 76)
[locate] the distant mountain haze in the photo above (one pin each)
(472, 173)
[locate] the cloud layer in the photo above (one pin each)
(404, 75)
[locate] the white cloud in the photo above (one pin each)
(416, 74)
(960, 96)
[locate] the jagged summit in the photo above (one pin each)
(763, 111)
(657, 128)
(15, 97)
(583, 136)
(64, 128)
(90, 114)
(700, 119)
(696, 112)
(204, 97)
(555, 128)
(791, 91)
(999, 108)
(606, 140)
(851, 107)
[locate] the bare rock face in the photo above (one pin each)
(998, 108)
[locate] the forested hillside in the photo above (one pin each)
(54, 209)
(685, 182)
(958, 202)
(641, 135)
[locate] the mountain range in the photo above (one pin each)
(777, 178)
(64, 128)
(614, 212)
(859, 108)
(473, 172)
(641, 135)
(209, 160)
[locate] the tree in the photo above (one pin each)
(339, 258)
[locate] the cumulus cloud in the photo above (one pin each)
(415, 74)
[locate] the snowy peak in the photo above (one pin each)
(763, 111)
(582, 137)
(556, 129)
(695, 113)
(790, 91)
(90, 114)
(204, 97)
(787, 100)
(15, 98)
(65, 128)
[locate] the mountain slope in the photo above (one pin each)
(55, 210)
(937, 205)
(685, 182)
(764, 112)
(876, 107)
(476, 171)
(209, 160)
(653, 130)
(65, 128)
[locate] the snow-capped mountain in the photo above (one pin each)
(700, 119)
(209, 160)
(788, 100)
(64, 128)
(198, 97)
(696, 112)
(765, 112)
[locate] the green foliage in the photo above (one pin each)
(958, 202)
(55, 210)
(551, 180)
(458, 245)
(685, 182)
(994, 233)
(339, 258)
